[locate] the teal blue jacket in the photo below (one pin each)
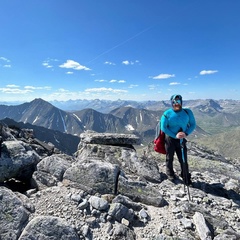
(174, 121)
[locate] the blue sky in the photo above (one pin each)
(119, 49)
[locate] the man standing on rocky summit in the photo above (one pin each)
(177, 123)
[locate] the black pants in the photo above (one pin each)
(172, 145)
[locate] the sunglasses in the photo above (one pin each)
(176, 102)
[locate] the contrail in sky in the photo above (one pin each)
(131, 38)
(120, 44)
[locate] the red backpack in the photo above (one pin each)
(159, 141)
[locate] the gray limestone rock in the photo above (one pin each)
(13, 215)
(125, 158)
(123, 232)
(118, 211)
(140, 192)
(83, 204)
(109, 138)
(127, 202)
(55, 165)
(98, 203)
(228, 234)
(46, 227)
(41, 180)
(94, 175)
(18, 161)
(201, 226)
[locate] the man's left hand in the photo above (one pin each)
(181, 135)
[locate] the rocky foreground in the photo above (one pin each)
(109, 191)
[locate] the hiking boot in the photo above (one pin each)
(188, 183)
(171, 177)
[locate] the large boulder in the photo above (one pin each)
(93, 175)
(18, 161)
(50, 170)
(48, 227)
(13, 215)
(140, 192)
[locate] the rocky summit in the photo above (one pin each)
(109, 190)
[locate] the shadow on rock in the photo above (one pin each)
(218, 189)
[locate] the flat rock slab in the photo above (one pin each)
(109, 138)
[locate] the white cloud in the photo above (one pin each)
(69, 73)
(30, 87)
(174, 83)
(5, 59)
(119, 81)
(73, 65)
(104, 90)
(15, 90)
(12, 86)
(126, 62)
(63, 90)
(164, 76)
(46, 63)
(133, 85)
(109, 63)
(100, 80)
(91, 93)
(205, 72)
(38, 88)
(152, 87)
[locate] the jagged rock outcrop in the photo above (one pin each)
(111, 159)
(108, 190)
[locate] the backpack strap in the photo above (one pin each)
(185, 110)
(158, 128)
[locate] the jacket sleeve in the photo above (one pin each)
(165, 128)
(192, 122)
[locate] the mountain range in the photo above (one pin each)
(140, 118)
(108, 190)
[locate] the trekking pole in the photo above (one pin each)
(185, 174)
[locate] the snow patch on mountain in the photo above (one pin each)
(35, 120)
(129, 127)
(78, 118)
(64, 125)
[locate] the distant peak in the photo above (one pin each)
(38, 100)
